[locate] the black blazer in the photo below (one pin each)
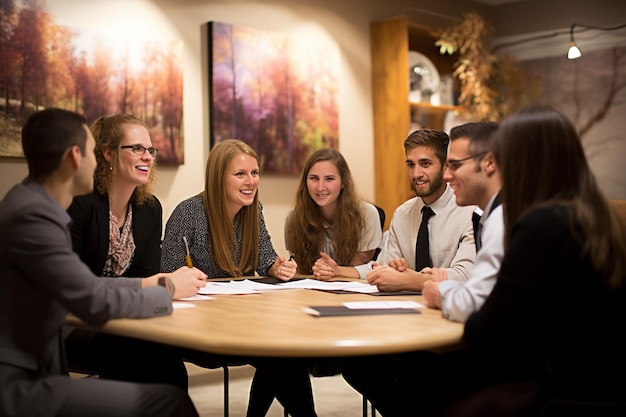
(90, 234)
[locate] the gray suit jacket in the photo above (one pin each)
(41, 279)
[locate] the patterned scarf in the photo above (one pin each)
(121, 246)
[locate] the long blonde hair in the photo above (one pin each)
(214, 196)
(108, 131)
(305, 228)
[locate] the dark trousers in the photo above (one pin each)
(432, 384)
(103, 398)
(284, 379)
(287, 380)
(125, 359)
(32, 393)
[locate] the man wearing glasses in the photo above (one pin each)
(423, 246)
(384, 380)
(475, 180)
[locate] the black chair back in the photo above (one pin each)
(381, 214)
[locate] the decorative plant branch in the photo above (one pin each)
(616, 84)
(491, 87)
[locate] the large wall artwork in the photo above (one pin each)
(274, 91)
(45, 64)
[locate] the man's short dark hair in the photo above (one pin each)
(480, 135)
(47, 135)
(431, 138)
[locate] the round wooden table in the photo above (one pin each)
(273, 324)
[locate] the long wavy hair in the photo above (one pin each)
(108, 131)
(214, 196)
(305, 228)
(542, 163)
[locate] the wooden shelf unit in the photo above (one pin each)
(391, 40)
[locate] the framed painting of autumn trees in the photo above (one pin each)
(45, 64)
(276, 92)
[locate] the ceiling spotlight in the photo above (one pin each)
(574, 51)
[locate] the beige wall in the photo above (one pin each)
(185, 19)
(342, 23)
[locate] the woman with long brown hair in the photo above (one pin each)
(225, 231)
(331, 230)
(560, 291)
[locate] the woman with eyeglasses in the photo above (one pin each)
(116, 230)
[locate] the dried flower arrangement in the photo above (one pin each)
(491, 87)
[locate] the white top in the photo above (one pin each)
(460, 299)
(371, 235)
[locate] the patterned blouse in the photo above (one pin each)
(189, 219)
(121, 245)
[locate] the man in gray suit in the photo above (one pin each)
(42, 278)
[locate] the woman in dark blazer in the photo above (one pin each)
(42, 280)
(116, 231)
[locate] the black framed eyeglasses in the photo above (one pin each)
(454, 164)
(140, 150)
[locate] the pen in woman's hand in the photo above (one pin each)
(187, 256)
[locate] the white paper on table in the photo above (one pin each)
(361, 287)
(176, 305)
(314, 284)
(197, 297)
(306, 284)
(216, 288)
(383, 304)
(248, 284)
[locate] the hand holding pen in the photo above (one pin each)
(187, 280)
(285, 269)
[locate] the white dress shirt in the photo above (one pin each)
(460, 299)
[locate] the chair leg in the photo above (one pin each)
(226, 380)
(364, 406)
(373, 412)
